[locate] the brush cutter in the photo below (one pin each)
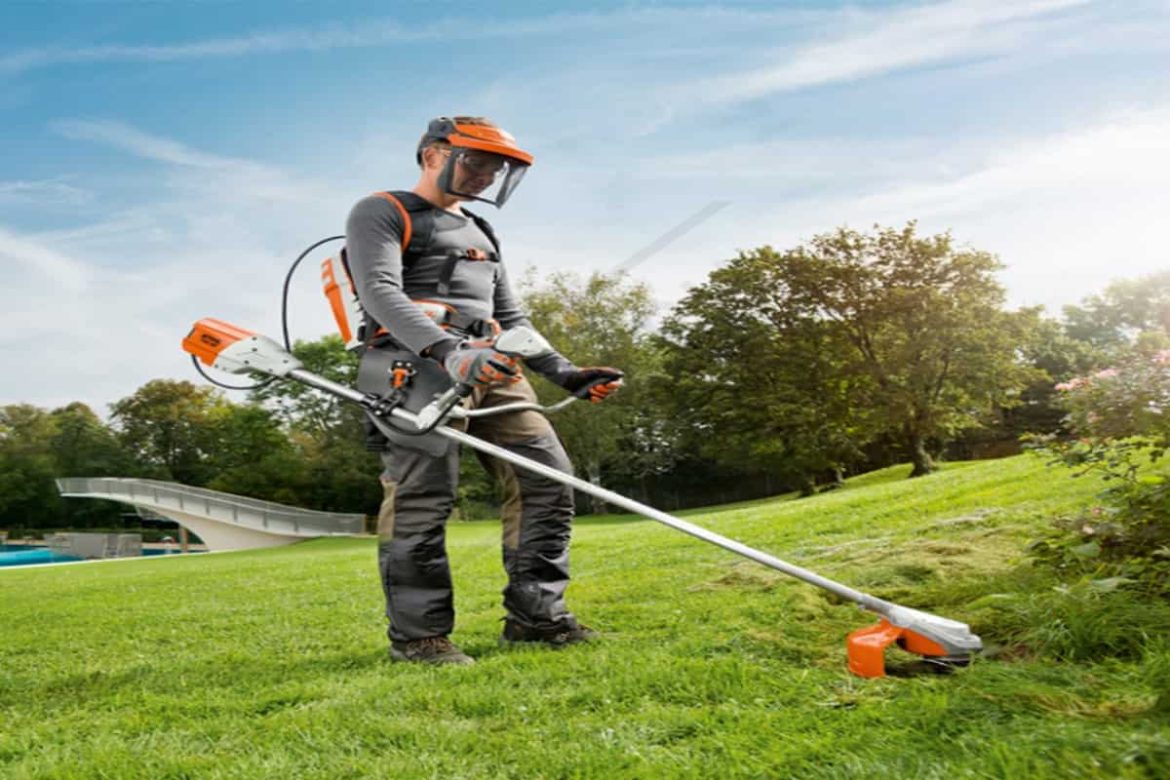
(235, 350)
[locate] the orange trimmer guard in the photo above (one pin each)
(866, 647)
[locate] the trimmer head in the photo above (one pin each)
(938, 640)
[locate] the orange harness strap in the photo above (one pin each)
(406, 226)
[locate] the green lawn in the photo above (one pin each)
(272, 663)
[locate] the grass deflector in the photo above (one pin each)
(229, 348)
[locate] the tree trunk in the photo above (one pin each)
(808, 486)
(923, 464)
(838, 479)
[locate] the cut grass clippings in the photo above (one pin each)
(272, 663)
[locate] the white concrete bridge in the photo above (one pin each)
(222, 520)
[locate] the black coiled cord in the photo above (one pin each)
(283, 321)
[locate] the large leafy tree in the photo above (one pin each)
(758, 382)
(82, 445)
(37, 447)
(169, 426)
(251, 454)
(1055, 357)
(925, 324)
(886, 333)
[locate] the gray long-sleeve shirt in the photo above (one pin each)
(478, 289)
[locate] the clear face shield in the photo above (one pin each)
(474, 174)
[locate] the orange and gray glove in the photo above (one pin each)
(593, 382)
(477, 363)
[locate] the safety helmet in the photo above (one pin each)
(484, 162)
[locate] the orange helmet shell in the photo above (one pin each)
(486, 138)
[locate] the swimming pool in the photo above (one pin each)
(28, 555)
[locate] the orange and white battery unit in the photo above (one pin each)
(226, 347)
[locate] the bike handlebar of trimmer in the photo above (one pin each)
(529, 406)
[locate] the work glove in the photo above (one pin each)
(477, 363)
(593, 382)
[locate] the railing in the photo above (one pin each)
(211, 504)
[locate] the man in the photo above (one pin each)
(408, 248)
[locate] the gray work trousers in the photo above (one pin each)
(537, 514)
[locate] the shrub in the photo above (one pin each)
(1121, 420)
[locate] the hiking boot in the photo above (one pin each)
(567, 632)
(432, 650)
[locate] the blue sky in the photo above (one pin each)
(164, 161)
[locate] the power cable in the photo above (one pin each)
(283, 321)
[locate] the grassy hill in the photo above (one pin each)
(272, 663)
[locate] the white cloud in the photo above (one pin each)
(91, 312)
(40, 264)
(142, 144)
(47, 190)
(1115, 158)
(330, 37)
(219, 177)
(1066, 212)
(76, 329)
(884, 41)
(849, 44)
(380, 32)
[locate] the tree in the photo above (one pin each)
(303, 408)
(885, 333)
(925, 322)
(757, 382)
(168, 426)
(1125, 309)
(28, 496)
(1056, 357)
(601, 320)
(81, 445)
(251, 455)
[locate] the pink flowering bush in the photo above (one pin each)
(1131, 399)
(1120, 421)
